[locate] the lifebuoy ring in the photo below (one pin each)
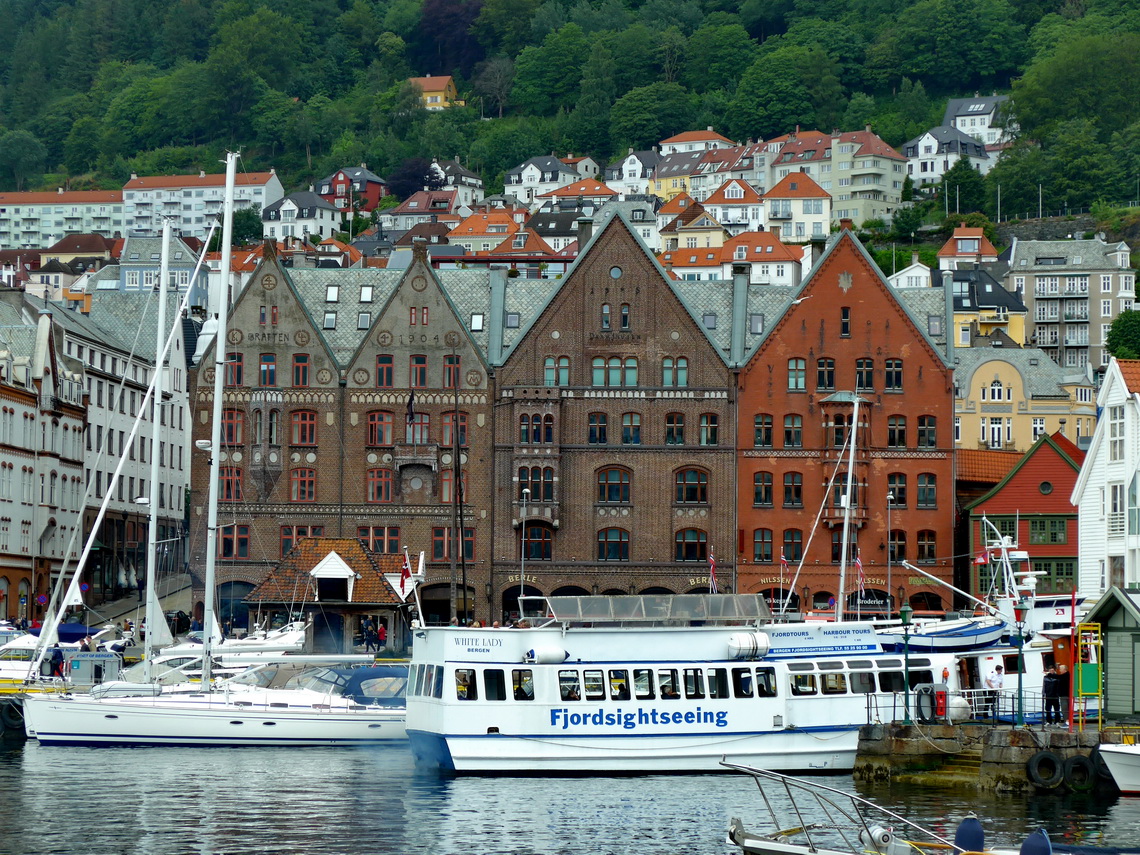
(12, 715)
(1097, 760)
(1080, 774)
(924, 705)
(1046, 770)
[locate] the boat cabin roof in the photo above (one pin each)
(649, 609)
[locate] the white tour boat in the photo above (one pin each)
(650, 684)
(1123, 762)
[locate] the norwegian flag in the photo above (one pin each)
(712, 573)
(783, 562)
(405, 570)
(862, 578)
(983, 558)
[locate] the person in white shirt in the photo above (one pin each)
(994, 682)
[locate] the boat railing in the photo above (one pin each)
(981, 706)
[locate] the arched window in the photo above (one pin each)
(380, 485)
(417, 429)
(927, 491)
(762, 489)
(865, 375)
(605, 316)
(556, 371)
(625, 316)
(613, 486)
(303, 485)
(762, 430)
(674, 371)
(896, 486)
(762, 546)
(838, 430)
(793, 544)
(274, 427)
(692, 487)
(691, 544)
(825, 374)
(258, 423)
(793, 490)
(613, 544)
(380, 428)
(524, 429)
(304, 427)
(547, 435)
(631, 429)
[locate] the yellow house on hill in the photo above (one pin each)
(438, 92)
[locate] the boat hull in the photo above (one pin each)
(1123, 762)
(203, 720)
(499, 754)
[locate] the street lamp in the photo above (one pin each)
(1020, 611)
(905, 611)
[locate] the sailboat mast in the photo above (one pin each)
(152, 615)
(223, 306)
(854, 428)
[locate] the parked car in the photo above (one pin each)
(179, 622)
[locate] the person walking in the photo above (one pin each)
(995, 680)
(369, 632)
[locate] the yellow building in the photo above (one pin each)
(983, 307)
(438, 92)
(1005, 397)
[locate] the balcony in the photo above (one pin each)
(427, 455)
(1116, 524)
(780, 214)
(1078, 317)
(834, 517)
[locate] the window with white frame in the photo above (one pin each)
(1116, 433)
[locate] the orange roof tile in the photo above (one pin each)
(147, 182)
(1077, 455)
(719, 197)
(985, 465)
(478, 225)
(1130, 371)
(534, 245)
(677, 204)
(291, 581)
(761, 246)
(796, 185)
(696, 136)
(431, 84)
(586, 187)
(950, 248)
(690, 258)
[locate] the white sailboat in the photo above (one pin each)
(205, 714)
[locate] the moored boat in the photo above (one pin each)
(1123, 761)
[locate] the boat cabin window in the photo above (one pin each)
(694, 683)
(891, 681)
(522, 681)
(568, 686)
(765, 682)
(425, 682)
(465, 686)
(830, 666)
(595, 685)
(494, 685)
(742, 682)
(863, 683)
(437, 686)
(860, 665)
(803, 684)
(619, 685)
(834, 684)
(718, 683)
(643, 684)
(667, 680)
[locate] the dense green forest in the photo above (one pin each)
(95, 89)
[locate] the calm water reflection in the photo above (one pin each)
(171, 800)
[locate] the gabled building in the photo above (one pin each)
(1006, 398)
(483, 232)
(424, 206)
(935, 152)
(557, 228)
(438, 92)
(673, 172)
(914, 275)
(982, 117)
(983, 307)
(736, 206)
(585, 166)
(354, 188)
(1032, 506)
(1073, 290)
(693, 228)
(140, 263)
(453, 175)
(581, 193)
(769, 262)
(967, 247)
(300, 214)
(843, 335)
(537, 176)
(1107, 491)
(694, 141)
(798, 209)
(630, 175)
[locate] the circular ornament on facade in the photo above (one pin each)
(324, 377)
(555, 334)
(451, 339)
(310, 457)
(371, 458)
(236, 457)
(360, 376)
(234, 336)
(383, 338)
(273, 456)
(445, 459)
(674, 335)
(269, 282)
(1046, 488)
(416, 483)
(294, 457)
(615, 272)
(301, 337)
(387, 458)
(257, 457)
(208, 375)
(419, 283)
(474, 378)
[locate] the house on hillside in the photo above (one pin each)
(983, 117)
(537, 176)
(438, 92)
(300, 214)
(353, 188)
(630, 175)
(932, 154)
(967, 247)
(798, 208)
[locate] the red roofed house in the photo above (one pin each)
(354, 186)
(588, 190)
(1032, 506)
(193, 201)
(423, 206)
(694, 265)
(438, 92)
(770, 262)
(965, 247)
(736, 206)
(483, 232)
(523, 242)
(798, 208)
(695, 141)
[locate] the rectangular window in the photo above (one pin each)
(865, 375)
(233, 541)
(418, 366)
(893, 375)
(451, 369)
(235, 374)
(300, 369)
(384, 371)
(443, 542)
(267, 372)
(709, 429)
(597, 429)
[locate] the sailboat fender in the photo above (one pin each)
(748, 645)
(546, 655)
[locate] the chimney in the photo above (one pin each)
(59, 190)
(846, 223)
(134, 176)
(585, 232)
(419, 251)
(630, 150)
(310, 188)
(201, 173)
(914, 258)
(948, 279)
(867, 127)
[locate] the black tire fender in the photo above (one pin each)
(12, 715)
(924, 705)
(1097, 760)
(1080, 774)
(1046, 770)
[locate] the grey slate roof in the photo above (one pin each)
(649, 160)
(305, 200)
(1043, 378)
(678, 163)
(147, 252)
(950, 140)
(979, 105)
(982, 291)
(1054, 256)
(355, 173)
(545, 163)
(17, 333)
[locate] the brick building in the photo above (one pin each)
(846, 333)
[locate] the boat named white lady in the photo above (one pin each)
(650, 684)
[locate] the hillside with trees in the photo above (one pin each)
(93, 90)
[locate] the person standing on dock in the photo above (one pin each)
(994, 682)
(1050, 691)
(1064, 683)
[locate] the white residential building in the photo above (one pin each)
(41, 219)
(981, 117)
(934, 153)
(301, 214)
(1107, 493)
(193, 202)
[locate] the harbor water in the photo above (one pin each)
(368, 801)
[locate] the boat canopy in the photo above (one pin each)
(661, 609)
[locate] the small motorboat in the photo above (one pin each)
(1123, 761)
(969, 633)
(810, 818)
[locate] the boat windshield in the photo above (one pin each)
(662, 609)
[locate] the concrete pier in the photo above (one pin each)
(999, 758)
